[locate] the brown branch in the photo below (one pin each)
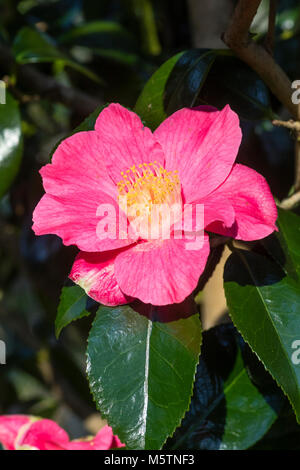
(292, 125)
(237, 37)
(48, 87)
(269, 42)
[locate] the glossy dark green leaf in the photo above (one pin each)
(203, 76)
(264, 304)
(232, 82)
(150, 104)
(72, 306)
(141, 373)
(10, 142)
(105, 38)
(187, 79)
(174, 85)
(30, 46)
(228, 411)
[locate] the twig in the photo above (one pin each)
(238, 39)
(269, 42)
(290, 202)
(293, 125)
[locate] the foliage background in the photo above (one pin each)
(116, 47)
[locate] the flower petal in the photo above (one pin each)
(78, 190)
(199, 215)
(202, 144)
(77, 163)
(45, 434)
(125, 141)
(253, 203)
(10, 426)
(104, 440)
(78, 221)
(218, 209)
(161, 272)
(94, 272)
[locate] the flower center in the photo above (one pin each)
(151, 197)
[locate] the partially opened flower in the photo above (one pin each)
(123, 168)
(21, 432)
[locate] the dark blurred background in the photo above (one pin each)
(103, 51)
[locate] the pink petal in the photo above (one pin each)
(125, 141)
(77, 187)
(253, 203)
(10, 427)
(213, 207)
(218, 209)
(94, 272)
(202, 144)
(45, 434)
(116, 443)
(77, 163)
(76, 220)
(161, 272)
(82, 444)
(104, 440)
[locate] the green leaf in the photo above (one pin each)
(174, 85)
(30, 46)
(187, 79)
(141, 373)
(203, 76)
(231, 81)
(105, 38)
(227, 412)
(289, 235)
(264, 304)
(150, 104)
(11, 142)
(72, 306)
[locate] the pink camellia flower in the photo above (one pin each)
(21, 432)
(188, 161)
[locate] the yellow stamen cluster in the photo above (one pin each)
(148, 184)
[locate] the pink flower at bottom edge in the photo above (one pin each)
(188, 160)
(20, 432)
(104, 440)
(10, 427)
